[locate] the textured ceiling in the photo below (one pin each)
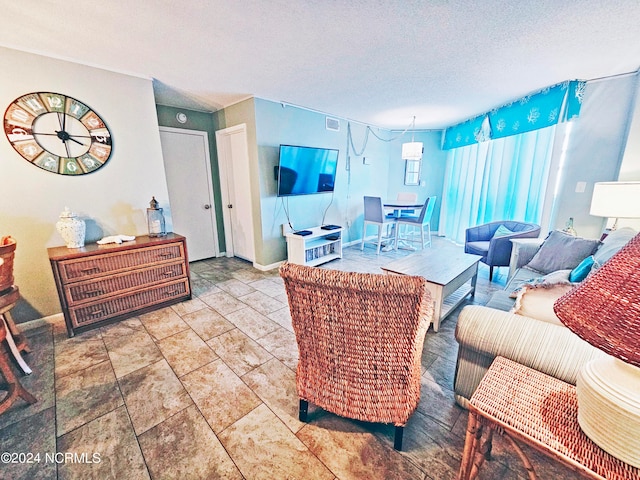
(379, 62)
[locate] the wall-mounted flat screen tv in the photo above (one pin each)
(306, 170)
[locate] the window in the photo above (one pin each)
(412, 172)
(503, 179)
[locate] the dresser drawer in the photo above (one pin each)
(89, 313)
(108, 263)
(91, 290)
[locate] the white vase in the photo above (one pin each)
(71, 229)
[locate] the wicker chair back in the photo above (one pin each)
(360, 339)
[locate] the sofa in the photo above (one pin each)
(518, 322)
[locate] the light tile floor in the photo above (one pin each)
(206, 389)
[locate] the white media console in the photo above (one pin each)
(318, 247)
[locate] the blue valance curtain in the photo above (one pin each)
(538, 110)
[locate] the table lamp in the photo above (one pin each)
(616, 200)
(604, 310)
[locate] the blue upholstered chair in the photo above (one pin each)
(496, 249)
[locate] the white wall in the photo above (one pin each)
(277, 125)
(595, 151)
(112, 200)
(630, 168)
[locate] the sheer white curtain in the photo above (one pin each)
(503, 179)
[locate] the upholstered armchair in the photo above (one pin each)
(495, 249)
(360, 339)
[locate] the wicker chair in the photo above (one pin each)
(360, 339)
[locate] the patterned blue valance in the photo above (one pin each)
(464, 133)
(541, 109)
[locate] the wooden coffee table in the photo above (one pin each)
(447, 275)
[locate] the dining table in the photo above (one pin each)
(397, 207)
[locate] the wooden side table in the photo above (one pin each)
(540, 411)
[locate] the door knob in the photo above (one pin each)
(207, 207)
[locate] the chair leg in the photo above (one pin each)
(379, 239)
(16, 390)
(304, 408)
(490, 273)
(19, 338)
(422, 238)
(14, 347)
(397, 440)
(364, 234)
(396, 232)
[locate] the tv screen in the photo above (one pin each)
(306, 170)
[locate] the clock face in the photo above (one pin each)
(57, 133)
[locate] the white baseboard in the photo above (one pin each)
(266, 268)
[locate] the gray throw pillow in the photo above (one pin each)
(612, 243)
(561, 251)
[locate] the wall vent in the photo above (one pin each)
(332, 124)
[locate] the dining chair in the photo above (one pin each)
(421, 221)
(374, 215)
(408, 198)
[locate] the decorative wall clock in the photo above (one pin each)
(57, 133)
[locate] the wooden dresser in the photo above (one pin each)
(99, 284)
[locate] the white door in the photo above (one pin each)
(233, 162)
(188, 170)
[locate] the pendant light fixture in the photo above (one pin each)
(412, 150)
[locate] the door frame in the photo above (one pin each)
(207, 155)
(223, 166)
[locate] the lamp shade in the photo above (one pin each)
(412, 151)
(616, 200)
(604, 309)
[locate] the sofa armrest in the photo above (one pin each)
(484, 333)
(522, 252)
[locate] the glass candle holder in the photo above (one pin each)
(155, 219)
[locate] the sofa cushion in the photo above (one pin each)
(545, 281)
(477, 248)
(501, 300)
(611, 244)
(561, 251)
(537, 301)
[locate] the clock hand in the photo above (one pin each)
(58, 131)
(74, 140)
